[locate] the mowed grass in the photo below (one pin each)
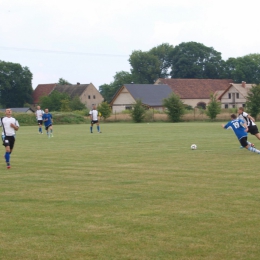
(136, 191)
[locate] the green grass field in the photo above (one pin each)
(136, 191)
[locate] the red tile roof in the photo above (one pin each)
(42, 90)
(195, 88)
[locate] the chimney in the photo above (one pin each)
(78, 83)
(243, 84)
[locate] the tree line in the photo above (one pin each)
(186, 60)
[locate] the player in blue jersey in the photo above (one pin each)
(47, 119)
(240, 129)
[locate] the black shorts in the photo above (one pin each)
(9, 141)
(243, 141)
(94, 122)
(253, 130)
(39, 122)
(47, 127)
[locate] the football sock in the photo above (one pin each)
(98, 128)
(254, 150)
(91, 129)
(7, 157)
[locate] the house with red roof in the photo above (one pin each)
(196, 92)
(42, 90)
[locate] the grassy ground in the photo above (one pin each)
(136, 191)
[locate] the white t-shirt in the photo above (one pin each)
(7, 121)
(39, 114)
(244, 116)
(94, 114)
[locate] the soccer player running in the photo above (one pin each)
(38, 115)
(48, 121)
(94, 119)
(240, 129)
(250, 121)
(10, 125)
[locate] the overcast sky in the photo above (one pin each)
(89, 41)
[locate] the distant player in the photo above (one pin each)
(38, 115)
(48, 121)
(94, 119)
(240, 129)
(10, 125)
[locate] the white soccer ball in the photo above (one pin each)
(193, 147)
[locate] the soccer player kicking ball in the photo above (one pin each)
(240, 129)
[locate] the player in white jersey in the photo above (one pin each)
(38, 115)
(9, 125)
(250, 121)
(94, 119)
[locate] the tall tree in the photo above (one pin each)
(164, 53)
(253, 101)
(195, 60)
(246, 68)
(15, 85)
(145, 67)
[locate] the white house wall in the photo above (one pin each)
(232, 102)
(123, 100)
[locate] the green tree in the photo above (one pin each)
(175, 108)
(246, 68)
(65, 105)
(164, 54)
(63, 82)
(145, 67)
(54, 101)
(104, 109)
(76, 104)
(195, 60)
(214, 107)
(253, 101)
(138, 112)
(15, 85)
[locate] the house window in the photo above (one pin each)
(237, 95)
(94, 97)
(128, 108)
(243, 105)
(201, 105)
(233, 106)
(88, 96)
(226, 105)
(229, 95)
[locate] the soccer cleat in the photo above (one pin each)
(8, 166)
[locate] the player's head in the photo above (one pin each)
(46, 110)
(8, 111)
(93, 106)
(233, 116)
(38, 107)
(240, 110)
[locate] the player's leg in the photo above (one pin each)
(91, 127)
(98, 128)
(51, 134)
(247, 145)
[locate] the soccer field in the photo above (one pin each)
(135, 191)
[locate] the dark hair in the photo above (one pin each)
(241, 108)
(233, 116)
